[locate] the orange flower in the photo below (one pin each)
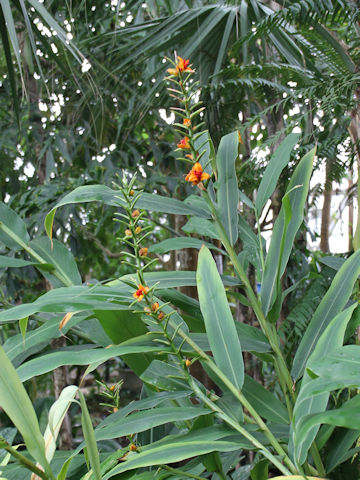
(137, 230)
(184, 144)
(196, 174)
(128, 232)
(187, 363)
(131, 193)
(135, 213)
(140, 292)
(186, 122)
(133, 448)
(143, 252)
(182, 65)
(161, 315)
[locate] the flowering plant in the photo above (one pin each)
(208, 425)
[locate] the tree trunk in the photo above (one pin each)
(326, 210)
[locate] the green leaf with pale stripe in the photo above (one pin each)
(219, 323)
(228, 193)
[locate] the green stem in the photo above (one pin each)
(317, 459)
(178, 472)
(26, 462)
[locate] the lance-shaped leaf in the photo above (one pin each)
(48, 362)
(332, 303)
(285, 229)
(276, 165)
(228, 194)
(219, 323)
(17, 405)
(177, 243)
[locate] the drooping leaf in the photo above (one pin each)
(219, 323)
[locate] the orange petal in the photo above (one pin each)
(205, 176)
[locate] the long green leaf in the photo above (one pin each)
(332, 303)
(283, 235)
(228, 194)
(142, 421)
(89, 437)
(219, 323)
(102, 193)
(177, 243)
(178, 447)
(17, 405)
(277, 163)
(48, 362)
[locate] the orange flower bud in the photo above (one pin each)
(186, 122)
(112, 388)
(187, 363)
(115, 409)
(155, 307)
(131, 193)
(147, 310)
(137, 230)
(133, 447)
(135, 213)
(143, 252)
(161, 315)
(128, 232)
